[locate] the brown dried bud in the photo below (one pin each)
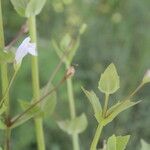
(70, 71)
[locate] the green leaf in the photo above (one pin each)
(66, 46)
(34, 7)
(95, 104)
(82, 28)
(49, 103)
(7, 57)
(144, 145)
(111, 143)
(20, 6)
(2, 125)
(59, 52)
(76, 125)
(33, 112)
(116, 109)
(64, 43)
(117, 142)
(27, 8)
(25, 105)
(56, 48)
(109, 81)
(122, 142)
(1, 148)
(3, 109)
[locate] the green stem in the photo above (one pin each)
(7, 139)
(135, 91)
(8, 88)
(75, 137)
(71, 99)
(2, 43)
(105, 104)
(96, 137)
(36, 88)
(4, 74)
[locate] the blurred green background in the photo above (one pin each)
(118, 31)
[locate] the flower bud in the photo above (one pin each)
(146, 78)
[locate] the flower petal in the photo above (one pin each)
(25, 48)
(20, 53)
(32, 49)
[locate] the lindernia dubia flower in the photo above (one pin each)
(25, 48)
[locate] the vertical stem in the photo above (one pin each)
(105, 104)
(4, 78)
(2, 44)
(96, 137)
(36, 88)
(7, 141)
(75, 137)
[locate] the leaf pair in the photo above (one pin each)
(28, 8)
(76, 125)
(6, 57)
(112, 112)
(108, 84)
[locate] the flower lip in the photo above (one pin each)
(25, 48)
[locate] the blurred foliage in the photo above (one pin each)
(118, 31)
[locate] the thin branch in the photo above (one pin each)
(24, 29)
(8, 88)
(56, 70)
(65, 54)
(68, 74)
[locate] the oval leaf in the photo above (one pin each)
(20, 6)
(34, 7)
(76, 125)
(122, 142)
(27, 8)
(111, 143)
(117, 142)
(109, 81)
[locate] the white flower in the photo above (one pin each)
(25, 48)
